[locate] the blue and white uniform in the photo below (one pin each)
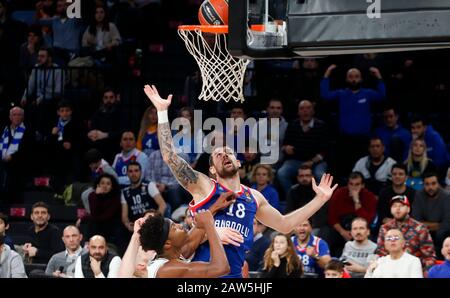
(310, 265)
(238, 216)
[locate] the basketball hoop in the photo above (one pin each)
(222, 74)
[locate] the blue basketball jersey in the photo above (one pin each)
(238, 216)
(310, 265)
(150, 143)
(121, 163)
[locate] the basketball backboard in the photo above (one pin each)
(285, 29)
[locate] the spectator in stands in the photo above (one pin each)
(16, 144)
(396, 139)
(45, 238)
(101, 38)
(98, 262)
(432, 208)
(442, 270)
(45, 85)
(66, 143)
(416, 235)
(313, 251)
(397, 263)
(301, 194)
(46, 10)
(189, 140)
(306, 142)
(376, 167)
(398, 187)
(148, 135)
(29, 50)
(357, 253)
(11, 264)
(130, 153)
(306, 79)
(97, 164)
(355, 117)
(262, 178)
(45, 81)
(66, 32)
(280, 259)
(261, 132)
(4, 226)
(346, 204)
(334, 269)
(166, 183)
(139, 197)
(236, 135)
(436, 149)
(62, 264)
(255, 255)
(104, 125)
(251, 158)
(102, 204)
(418, 164)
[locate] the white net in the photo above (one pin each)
(222, 74)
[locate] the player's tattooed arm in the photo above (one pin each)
(182, 171)
(198, 184)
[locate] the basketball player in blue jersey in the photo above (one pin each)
(247, 204)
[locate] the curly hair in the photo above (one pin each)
(151, 232)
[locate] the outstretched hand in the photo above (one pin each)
(324, 190)
(159, 103)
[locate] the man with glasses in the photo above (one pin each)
(397, 263)
(418, 241)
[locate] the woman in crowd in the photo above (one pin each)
(101, 37)
(280, 259)
(418, 164)
(262, 177)
(148, 135)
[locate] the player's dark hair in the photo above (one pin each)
(151, 233)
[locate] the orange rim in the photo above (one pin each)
(217, 29)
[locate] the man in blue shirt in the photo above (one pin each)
(312, 250)
(442, 270)
(436, 149)
(355, 116)
(396, 139)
